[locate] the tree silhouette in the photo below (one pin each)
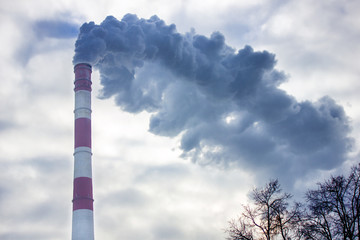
(334, 208)
(268, 217)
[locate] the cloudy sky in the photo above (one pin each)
(187, 118)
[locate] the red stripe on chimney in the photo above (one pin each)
(82, 84)
(83, 196)
(82, 132)
(82, 71)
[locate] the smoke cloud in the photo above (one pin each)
(224, 104)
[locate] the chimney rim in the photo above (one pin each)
(84, 63)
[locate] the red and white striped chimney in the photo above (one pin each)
(82, 218)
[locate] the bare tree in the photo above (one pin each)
(318, 222)
(334, 208)
(332, 212)
(238, 231)
(268, 218)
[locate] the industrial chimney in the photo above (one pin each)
(82, 218)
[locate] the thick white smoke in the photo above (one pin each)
(226, 104)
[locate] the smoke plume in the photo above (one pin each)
(225, 104)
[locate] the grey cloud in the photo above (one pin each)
(35, 179)
(5, 125)
(24, 235)
(163, 174)
(225, 104)
(55, 29)
(126, 198)
(45, 35)
(168, 230)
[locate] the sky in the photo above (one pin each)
(192, 108)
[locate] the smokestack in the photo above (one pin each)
(82, 219)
